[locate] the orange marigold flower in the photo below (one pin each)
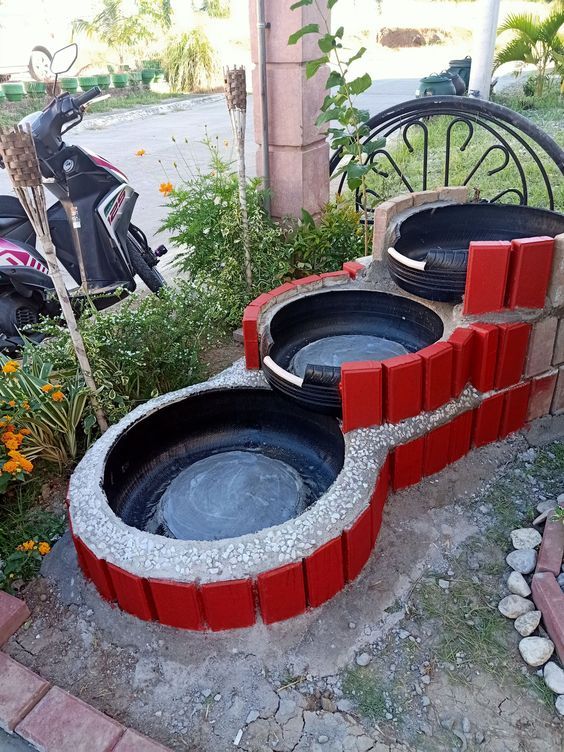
(12, 440)
(11, 466)
(11, 366)
(25, 431)
(43, 548)
(165, 188)
(25, 405)
(12, 403)
(28, 545)
(47, 388)
(57, 396)
(139, 152)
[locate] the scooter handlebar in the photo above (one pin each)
(81, 99)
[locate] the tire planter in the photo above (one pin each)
(87, 82)
(309, 337)
(147, 75)
(120, 80)
(14, 92)
(69, 84)
(36, 89)
(440, 236)
(104, 80)
(2, 95)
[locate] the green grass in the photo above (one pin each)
(363, 688)
(12, 113)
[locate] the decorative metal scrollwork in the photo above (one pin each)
(447, 140)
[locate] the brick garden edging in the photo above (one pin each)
(50, 719)
(482, 382)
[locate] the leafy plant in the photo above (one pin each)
(559, 515)
(148, 346)
(536, 42)
(338, 106)
(204, 219)
(122, 31)
(53, 411)
(189, 61)
(217, 8)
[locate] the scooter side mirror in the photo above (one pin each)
(64, 59)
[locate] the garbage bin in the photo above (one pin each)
(462, 67)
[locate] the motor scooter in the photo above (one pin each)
(90, 223)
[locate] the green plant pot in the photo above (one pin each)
(159, 75)
(2, 96)
(120, 80)
(87, 82)
(14, 92)
(104, 81)
(147, 75)
(69, 84)
(36, 88)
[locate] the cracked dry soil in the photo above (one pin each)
(441, 666)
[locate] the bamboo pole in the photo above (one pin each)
(236, 96)
(20, 159)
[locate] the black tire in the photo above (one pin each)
(36, 74)
(148, 274)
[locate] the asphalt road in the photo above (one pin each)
(118, 141)
(13, 743)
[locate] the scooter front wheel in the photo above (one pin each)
(148, 274)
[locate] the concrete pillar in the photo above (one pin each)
(299, 154)
(483, 50)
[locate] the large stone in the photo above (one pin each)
(536, 650)
(518, 584)
(559, 705)
(522, 560)
(525, 537)
(527, 623)
(554, 677)
(514, 606)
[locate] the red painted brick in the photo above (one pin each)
(549, 599)
(98, 572)
(437, 374)
(552, 547)
(250, 336)
(262, 299)
(461, 341)
(484, 356)
(282, 593)
(515, 407)
(132, 592)
(337, 275)
(542, 391)
(13, 613)
(177, 604)
(20, 690)
(529, 272)
(557, 406)
(407, 464)
(229, 604)
(131, 741)
(358, 542)
(402, 387)
(61, 723)
(541, 346)
(361, 393)
(512, 353)
(487, 422)
(379, 496)
(461, 436)
(352, 268)
(437, 445)
(324, 570)
(486, 278)
(306, 280)
(80, 555)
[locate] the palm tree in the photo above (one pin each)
(123, 32)
(536, 42)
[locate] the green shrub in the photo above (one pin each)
(217, 8)
(189, 62)
(146, 347)
(204, 219)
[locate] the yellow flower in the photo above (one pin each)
(57, 396)
(43, 548)
(11, 366)
(28, 545)
(139, 152)
(165, 188)
(25, 405)
(47, 388)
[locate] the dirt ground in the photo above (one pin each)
(397, 661)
